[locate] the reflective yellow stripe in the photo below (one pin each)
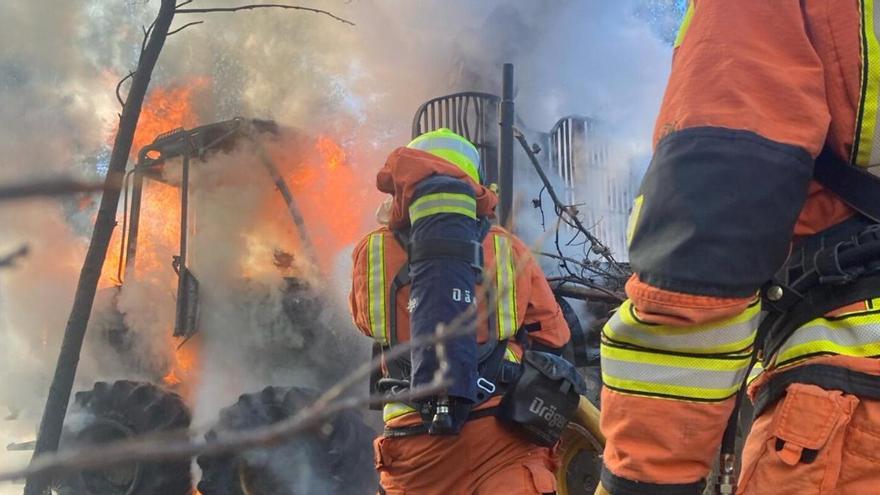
(505, 279)
(376, 282)
(755, 372)
(395, 410)
(856, 334)
(452, 147)
(433, 204)
(633, 218)
(510, 356)
(700, 378)
(866, 148)
(732, 335)
(685, 24)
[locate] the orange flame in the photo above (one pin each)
(166, 109)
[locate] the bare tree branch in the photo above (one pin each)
(46, 188)
(147, 32)
(178, 445)
(263, 6)
(181, 4)
(119, 86)
(11, 258)
(181, 28)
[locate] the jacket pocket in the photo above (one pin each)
(803, 444)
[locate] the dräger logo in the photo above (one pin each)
(549, 414)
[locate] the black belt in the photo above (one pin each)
(826, 376)
(422, 429)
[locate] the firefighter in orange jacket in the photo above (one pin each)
(435, 184)
(735, 197)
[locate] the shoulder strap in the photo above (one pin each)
(856, 186)
(401, 279)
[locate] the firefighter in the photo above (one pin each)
(740, 195)
(423, 268)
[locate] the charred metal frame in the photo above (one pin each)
(187, 145)
(473, 114)
(470, 114)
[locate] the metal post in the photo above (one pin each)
(134, 222)
(180, 326)
(506, 148)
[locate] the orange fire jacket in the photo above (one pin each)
(378, 257)
(757, 89)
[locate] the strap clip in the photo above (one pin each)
(486, 385)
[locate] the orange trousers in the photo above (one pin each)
(486, 458)
(814, 442)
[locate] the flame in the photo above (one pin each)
(331, 153)
(182, 370)
(168, 108)
(331, 193)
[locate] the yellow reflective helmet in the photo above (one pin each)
(452, 148)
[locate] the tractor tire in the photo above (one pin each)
(335, 458)
(115, 411)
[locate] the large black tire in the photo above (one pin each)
(336, 458)
(112, 412)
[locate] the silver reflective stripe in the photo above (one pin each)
(436, 143)
(732, 335)
(377, 288)
(858, 335)
(672, 375)
(677, 376)
(505, 279)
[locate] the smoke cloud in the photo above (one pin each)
(356, 86)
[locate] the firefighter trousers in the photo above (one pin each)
(814, 442)
(486, 458)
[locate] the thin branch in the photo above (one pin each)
(119, 87)
(181, 4)
(181, 28)
(262, 6)
(46, 188)
(147, 32)
(178, 445)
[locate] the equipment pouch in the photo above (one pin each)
(544, 398)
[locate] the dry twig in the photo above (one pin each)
(47, 188)
(262, 6)
(178, 445)
(181, 28)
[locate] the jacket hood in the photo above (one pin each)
(405, 168)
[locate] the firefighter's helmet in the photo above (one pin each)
(451, 147)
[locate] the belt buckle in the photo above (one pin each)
(486, 385)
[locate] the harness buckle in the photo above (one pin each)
(827, 263)
(486, 385)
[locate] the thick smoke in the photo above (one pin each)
(59, 64)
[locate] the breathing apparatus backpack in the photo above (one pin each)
(539, 395)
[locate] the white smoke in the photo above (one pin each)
(59, 64)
